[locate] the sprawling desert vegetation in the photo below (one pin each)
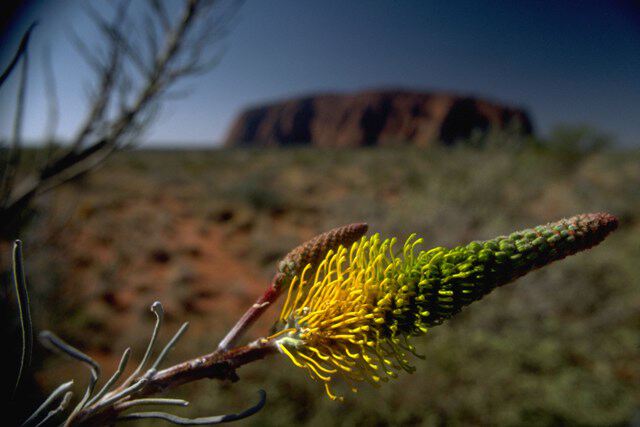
(201, 231)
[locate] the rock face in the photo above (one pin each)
(372, 118)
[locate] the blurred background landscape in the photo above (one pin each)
(458, 122)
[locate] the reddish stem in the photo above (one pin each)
(251, 315)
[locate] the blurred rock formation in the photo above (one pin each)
(384, 117)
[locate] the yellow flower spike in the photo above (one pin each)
(353, 316)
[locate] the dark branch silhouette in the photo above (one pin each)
(136, 67)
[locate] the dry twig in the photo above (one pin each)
(135, 71)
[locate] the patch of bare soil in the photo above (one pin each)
(148, 250)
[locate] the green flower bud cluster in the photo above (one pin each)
(449, 279)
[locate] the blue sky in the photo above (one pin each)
(571, 62)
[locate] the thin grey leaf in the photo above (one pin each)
(26, 327)
(216, 419)
(64, 388)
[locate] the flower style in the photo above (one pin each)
(353, 314)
